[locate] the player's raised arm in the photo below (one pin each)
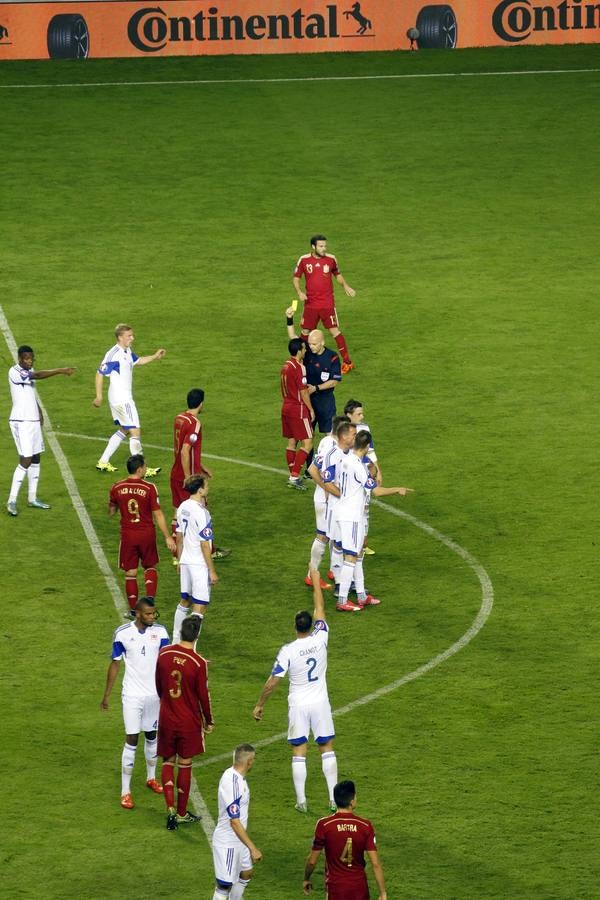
(380, 491)
(144, 360)
(50, 373)
(317, 595)
(289, 321)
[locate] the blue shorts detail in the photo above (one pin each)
(296, 742)
(324, 740)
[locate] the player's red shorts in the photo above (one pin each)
(312, 315)
(178, 493)
(179, 743)
(136, 548)
(351, 891)
(294, 427)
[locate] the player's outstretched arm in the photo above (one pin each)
(317, 595)
(289, 319)
(309, 868)
(380, 491)
(49, 373)
(378, 873)
(270, 685)
(144, 360)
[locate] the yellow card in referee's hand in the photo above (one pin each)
(295, 305)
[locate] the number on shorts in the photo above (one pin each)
(176, 691)
(346, 856)
(312, 665)
(133, 508)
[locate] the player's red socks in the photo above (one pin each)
(184, 783)
(341, 345)
(290, 458)
(131, 590)
(151, 581)
(301, 456)
(166, 779)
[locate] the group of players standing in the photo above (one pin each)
(165, 686)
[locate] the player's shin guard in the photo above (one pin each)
(299, 777)
(290, 458)
(127, 763)
(167, 779)
(341, 345)
(184, 783)
(317, 552)
(33, 476)
(131, 590)
(151, 582)
(113, 444)
(135, 446)
(181, 613)
(150, 754)
(237, 891)
(330, 771)
(17, 481)
(298, 463)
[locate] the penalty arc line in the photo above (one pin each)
(299, 78)
(484, 612)
(96, 547)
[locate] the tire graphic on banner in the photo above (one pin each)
(438, 28)
(68, 37)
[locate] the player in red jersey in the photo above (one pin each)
(296, 412)
(345, 838)
(137, 502)
(318, 269)
(185, 716)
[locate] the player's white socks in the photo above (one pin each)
(346, 580)
(237, 891)
(299, 777)
(17, 481)
(150, 748)
(135, 446)
(181, 613)
(329, 764)
(33, 476)
(220, 895)
(127, 763)
(337, 558)
(359, 579)
(317, 551)
(113, 445)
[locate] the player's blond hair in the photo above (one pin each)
(121, 328)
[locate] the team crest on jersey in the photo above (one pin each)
(326, 268)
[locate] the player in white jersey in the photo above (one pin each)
(355, 412)
(117, 366)
(138, 643)
(354, 480)
(194, 536)
(26, 422)
(304, 660)
(234, 852)
(331, 448)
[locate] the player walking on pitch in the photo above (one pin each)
(138, 643)
(305, 661)
(234, 852)
(26, 422)
(117, 366)
(345, 838)
(185, 717)
(318, 269)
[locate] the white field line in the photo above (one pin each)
(292, 80)
(485, 609)
(92, 538)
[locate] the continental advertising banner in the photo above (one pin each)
(117, 28)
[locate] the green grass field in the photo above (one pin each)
(464, 212)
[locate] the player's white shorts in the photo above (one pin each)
(140, 714)
(331, 521)
(306, 717)
(194, 583)
(27, 437)
(230, 860)
(125, 414)
(321, 516)
(351, 535)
